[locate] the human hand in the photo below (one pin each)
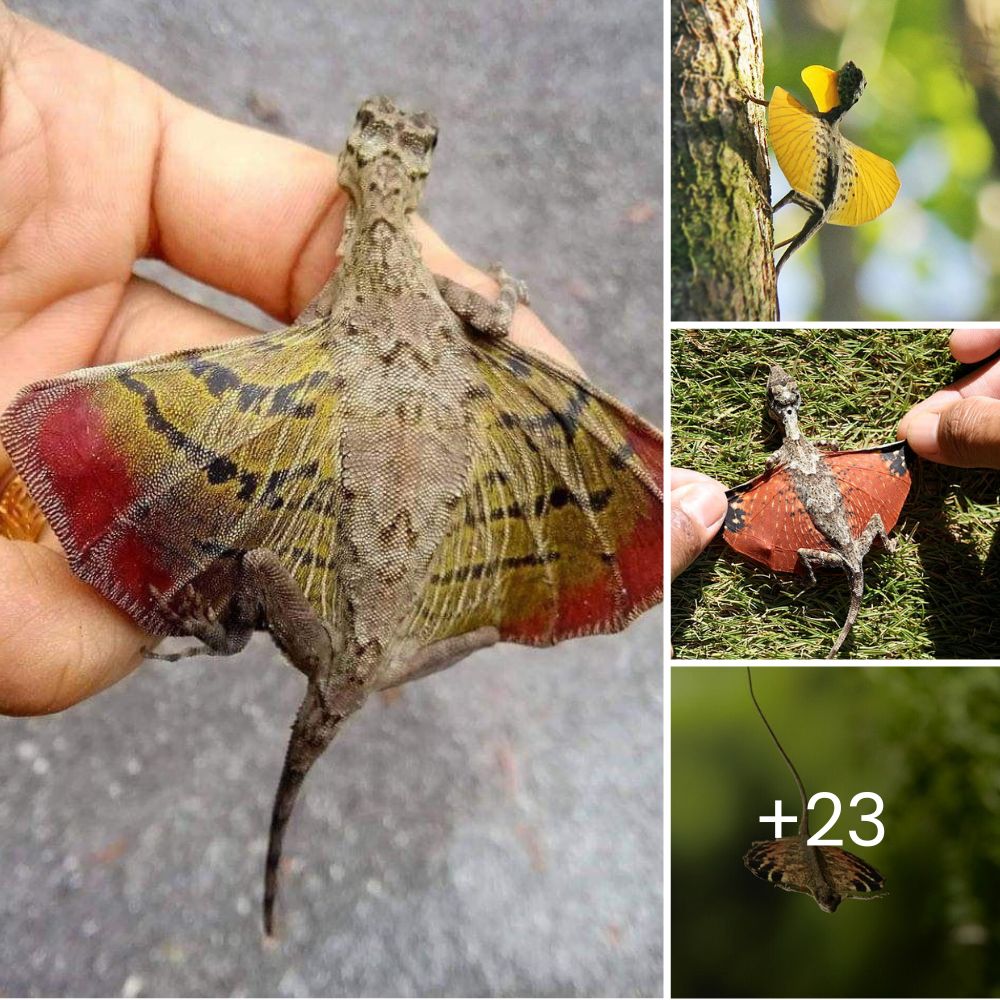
(100, 167)
(960, 425)
(697, 508)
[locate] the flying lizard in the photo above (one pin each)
(385, 486)
(831, 178)
(814, 508)
(826, 872)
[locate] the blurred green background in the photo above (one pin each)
(927, 740)
(932, 107)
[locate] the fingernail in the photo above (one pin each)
(922, 433)
(704, 504)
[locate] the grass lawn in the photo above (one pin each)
(938, 596)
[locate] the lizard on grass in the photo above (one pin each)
(816, 508)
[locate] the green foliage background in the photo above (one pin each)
(937, 596)
(940, 241)
(928, 741)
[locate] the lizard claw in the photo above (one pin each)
(190, 614)
(501, 277)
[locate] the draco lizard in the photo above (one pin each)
(826, 872)
(385, 486)
(814, 508)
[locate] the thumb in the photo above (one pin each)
(965, 433)
(696, 513)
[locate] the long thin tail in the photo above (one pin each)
(315, 726)
(804, 822)
(857, 589)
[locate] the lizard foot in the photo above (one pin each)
(192, 614)
(489, 318)
(504, 280)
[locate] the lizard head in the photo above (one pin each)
(851, 84)
(783, 398)
(388, 154)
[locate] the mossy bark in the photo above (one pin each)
(721, 238)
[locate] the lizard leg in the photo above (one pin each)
(875, 528)
(788, 199)
(437, 656)
(816, 218)
(490, 318)
(819, 557)
(309, 643)
(265, 595)
(191, 612)
(319, 719)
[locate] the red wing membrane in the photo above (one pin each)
(767, 523)
(873, 481)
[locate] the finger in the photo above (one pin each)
(255, 214)
(984, 381)
(681, 477)
(970, 346)
(965, 433)
(697, 510)
(275, 207)
(62, 642)
(149, 320)
(153, 320)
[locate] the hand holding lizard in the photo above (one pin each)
(259, 218)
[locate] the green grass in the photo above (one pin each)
(937, 596)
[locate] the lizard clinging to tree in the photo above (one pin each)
(833, 179)
(813, 508)
(385, 486)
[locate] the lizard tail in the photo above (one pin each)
(857, 589)
(314, 728)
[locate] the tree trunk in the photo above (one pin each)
(721, 238)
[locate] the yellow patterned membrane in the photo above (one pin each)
(550, 515)
(804, 143)
(235, 447)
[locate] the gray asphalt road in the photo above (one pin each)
(497, 828)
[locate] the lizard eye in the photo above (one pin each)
(418, 144)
